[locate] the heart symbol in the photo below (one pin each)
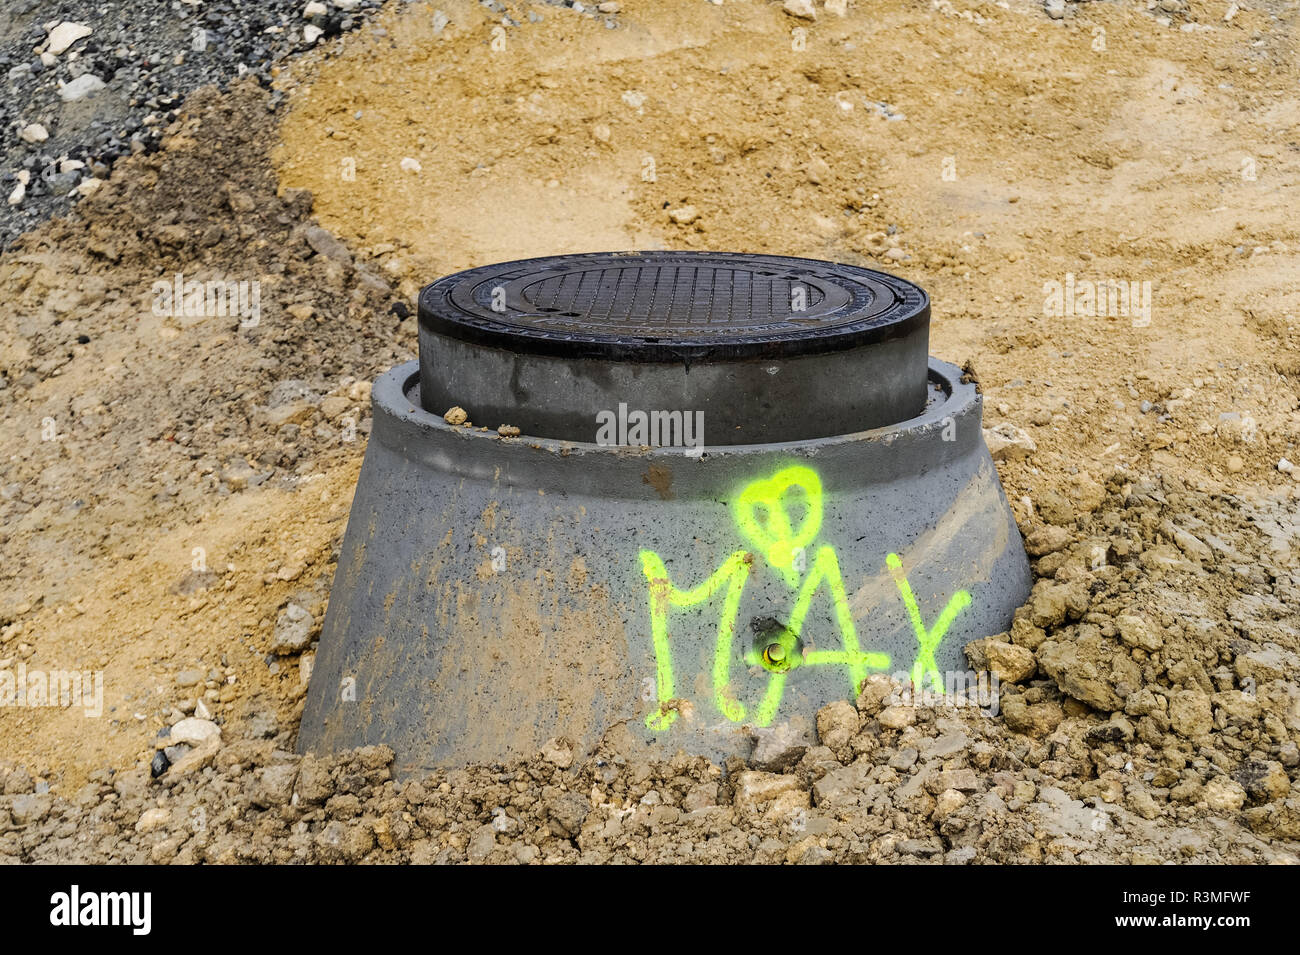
(762, 517)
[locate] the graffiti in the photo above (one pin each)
(765, 521)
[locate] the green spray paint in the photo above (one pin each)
(927, 640)
(763, 518)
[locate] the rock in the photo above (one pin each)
(311, 33)
(193, 732)
(1007, 661)
(755, 788)
(837, 723)
(568, 812)
(1085, 493)
(961, 780)
(874, 691)
(197, 758)
(897, 717)
(326, 244)
(159, 764)
(34, 133)
(313, 784)
(1007, 442)
(1047, 539)
(481, 844)
(1136, 632)
(1190, 713)
(152, 819)
(904, 759)
(409, 165)
(64, 35)
(81, 87)
(683, 215)
(1289, 754)
(1263, 780)
(841, 787)
(189, 677)
(456, 416)
(293, 630)
(558, 752)
(1038, 719)
(1116, 730)
(803, 9)
(1090, 669)
(777, 748)
(1223, 794)
(948, 802)
(29, 808)
(1055, 508)
(919, 847)
(1051, 603)
(1055, 9)
(274, 785)
(1191, 545)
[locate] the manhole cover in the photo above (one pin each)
(548, 345)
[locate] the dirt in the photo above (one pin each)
(1154, 713)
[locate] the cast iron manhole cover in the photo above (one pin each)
(671, 306)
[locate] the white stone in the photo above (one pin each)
(34, 133)
(312, 33)
(194, 731)
(152, 819)
(803, 9)
(64, 35)
(81, 87)
(315, 9)
(410, 165)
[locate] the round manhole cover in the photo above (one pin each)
(766, 347)
(672, 306)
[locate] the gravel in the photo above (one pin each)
(98, 81)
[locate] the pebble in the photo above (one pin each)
(34, 133)
(1055, 9)
(64, 35)
(81, 87)
(293, 630)
(803, 9)
(194, 732)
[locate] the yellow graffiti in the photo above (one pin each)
(927, 640)
(764, 518)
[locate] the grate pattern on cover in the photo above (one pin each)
(670, 305)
